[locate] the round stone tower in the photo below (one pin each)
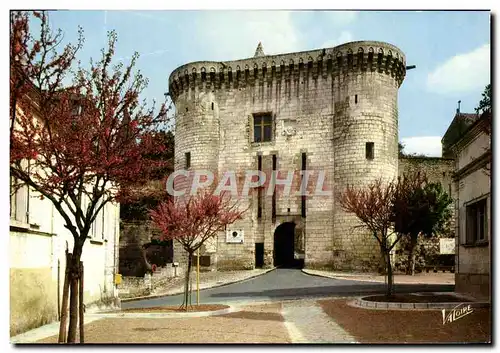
(365, 136)
(196, 124)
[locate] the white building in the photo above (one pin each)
(472, 150)
(38, 240)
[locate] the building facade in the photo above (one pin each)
(472, 181)
(38, 241)
(331, 111)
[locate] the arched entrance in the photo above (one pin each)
(284, 245)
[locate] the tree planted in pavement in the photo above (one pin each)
(193, 220)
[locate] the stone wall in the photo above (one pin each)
(437, 170)
(325, 103)
(132, 286)
(138, 237)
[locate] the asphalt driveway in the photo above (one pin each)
(283, 284)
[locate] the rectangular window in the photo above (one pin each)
(13, 198)
(370, 150)
(259, 191)
(19, 203)
(262, 127)
(274, 191)
(76, 108)
(187, 156)
(303, 197)
(476, 222)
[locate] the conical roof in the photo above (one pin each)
(259, 51)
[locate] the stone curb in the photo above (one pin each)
(306, 271)
(361, 303)
(350, 278)
(154, 296)
(147, 315)
(44, 331)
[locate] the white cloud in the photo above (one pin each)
(344, 37)
(462, 73)
(427, 145)
(341, 18)
(235, 35)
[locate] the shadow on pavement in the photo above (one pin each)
(338, 290)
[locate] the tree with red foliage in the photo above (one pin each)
(192, 220)
(81, 146)
(373, 206)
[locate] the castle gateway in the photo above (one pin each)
(332, 110)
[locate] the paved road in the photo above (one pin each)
(282, 284)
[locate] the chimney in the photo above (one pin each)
(458, 109)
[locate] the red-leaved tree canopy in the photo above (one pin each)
(192, 220)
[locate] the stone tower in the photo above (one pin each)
(331, 111)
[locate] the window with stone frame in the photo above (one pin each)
(262, 127)
(476, 220)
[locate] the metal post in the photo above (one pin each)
(198, 277)
(58, 290)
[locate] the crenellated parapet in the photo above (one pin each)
(352, 57)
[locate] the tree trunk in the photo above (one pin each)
(410, 268)
(64, 305)
(186, 285)
(382, 266)
(80, 303)
(74, 272)
(389, 273)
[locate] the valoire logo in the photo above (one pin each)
(456, 313)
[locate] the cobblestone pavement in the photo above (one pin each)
(308, 323)
(419, 278)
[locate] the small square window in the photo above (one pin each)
(188, 160)
(262, 127)
(370, 150)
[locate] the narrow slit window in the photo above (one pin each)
(356, 99)
(259, 191)
(370, 150)
(303, 191)
(212, 105)
(188, 160)
(274, 191)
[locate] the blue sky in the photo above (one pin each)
(451, 50)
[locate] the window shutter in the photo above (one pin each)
(462, 219)
(35, 207)
(22, 204)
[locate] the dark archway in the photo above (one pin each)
(284, 246)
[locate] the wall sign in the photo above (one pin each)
(235, 236)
